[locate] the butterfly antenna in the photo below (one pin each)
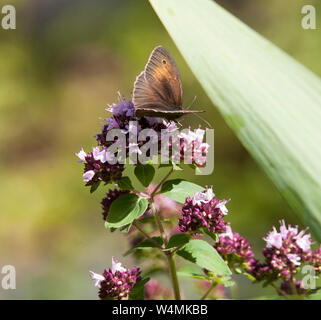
(201, 118)
(191, 103)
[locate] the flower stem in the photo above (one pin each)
(280, 291)
(172, 269)
(160, 184)
(169, 255)
(214, 284)
(158, 222)
(135, 224)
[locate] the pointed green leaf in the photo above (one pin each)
(179, 189)
(125, 184)
(145, 174)
(125, 210)
(191, 271)
(205, 256)
(94, 187)
(177, 240)
(138, 291)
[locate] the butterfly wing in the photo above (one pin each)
(159, 85)
(162, 74)
(169, 115)
(145, 96)
(158, 89)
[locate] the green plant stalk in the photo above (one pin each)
(135, 224)
(214, 284)
(158, 222)
(162, 181)
(169, 255)
(173, 273)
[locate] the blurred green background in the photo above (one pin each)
(58, 70)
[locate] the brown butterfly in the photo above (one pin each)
(158, 89)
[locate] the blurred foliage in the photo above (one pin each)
(59, 69)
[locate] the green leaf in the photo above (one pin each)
(147, 219)
(177, 240)
(125, 209)
(125, 184)
(138, 291)
(225, 280)
(94, 187)
(176, 167)
(145, 244)
(250, 277)
(314, 294)
(271, 101)
(205, 256)
(191, 271)
(179, 189)
(126, 228)
(214, 236)
(145, 174)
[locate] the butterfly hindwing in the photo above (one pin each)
(145, 96)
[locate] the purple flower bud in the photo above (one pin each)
(97, 167)
(117, 282)
(203, 211)
(284, 252)
(123, 114)
(236, 250)
(316, 260)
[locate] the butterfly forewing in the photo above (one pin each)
(158, 89)
(162, 74)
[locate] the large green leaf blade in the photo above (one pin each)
(269, 100)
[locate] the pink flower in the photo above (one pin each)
(284, 252)
(88, 175)
(236, 250)
(117, 282)
(203, 197)
(170, 126)
(222, 207)
(273, 239)
(202, 211)
(228, 233)
(294, 258)
(98, 278)
(103, 155)
(116, 266)
(284, 231)
(81, 155)
(303, 241)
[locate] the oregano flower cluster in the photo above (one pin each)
(170, 221)
(116, 282)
